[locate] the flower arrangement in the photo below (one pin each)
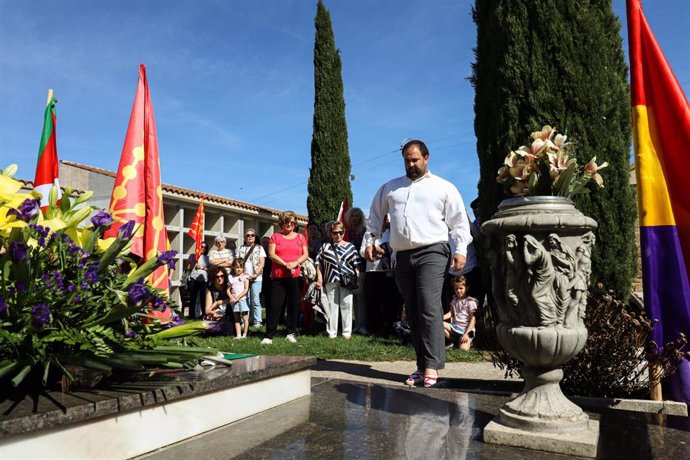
(69, 299)
(546, 167)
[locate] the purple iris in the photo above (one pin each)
(102, 218)
(126, 230)
(138, 293)
(167, 257)
(3, 307)
(27, 209)
(17, 251)
(91, 275)
(130, 334)
(41, 315)
(174, 321)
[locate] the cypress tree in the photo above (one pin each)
(561, 63)
(329, 175)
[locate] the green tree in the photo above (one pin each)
(561, 63)
(329, 175)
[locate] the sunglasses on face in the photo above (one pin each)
(337, 233)
(289, 222)
(250, 235)
(220, 277)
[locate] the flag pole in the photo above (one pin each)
(50, 95)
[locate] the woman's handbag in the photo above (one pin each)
(347, 280)
(308, 270)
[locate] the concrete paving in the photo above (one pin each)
(391, 372)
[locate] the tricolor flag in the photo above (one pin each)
(196, 230)
(137, 192)
(47, 165)
(661, 135)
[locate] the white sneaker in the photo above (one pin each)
(266, 341)
(291, 338)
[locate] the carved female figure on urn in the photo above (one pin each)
(541, 277)
(564, 264)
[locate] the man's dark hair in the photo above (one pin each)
(420, 145)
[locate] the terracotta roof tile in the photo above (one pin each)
(174, 189)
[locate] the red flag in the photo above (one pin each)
(137, 193)
(47, 165)
(196, 230)
(661, 135)
(344, 207)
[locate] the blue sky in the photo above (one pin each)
(232, 86)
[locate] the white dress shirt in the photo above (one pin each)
(424, 211)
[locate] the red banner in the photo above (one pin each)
(196, 230)
(137, 193)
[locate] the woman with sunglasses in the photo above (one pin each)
(254, 258)
(287, 250)
(218, 296)
(332, 262)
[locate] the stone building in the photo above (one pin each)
(222, 216)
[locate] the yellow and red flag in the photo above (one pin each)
(47, 164)
(137, 193)
(196, 230)
(661, 135)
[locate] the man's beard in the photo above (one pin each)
(413, 172)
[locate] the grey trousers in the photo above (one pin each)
(419, 274)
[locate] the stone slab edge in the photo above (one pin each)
(634, 405)
(582, 444)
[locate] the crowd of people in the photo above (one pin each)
(412, 259)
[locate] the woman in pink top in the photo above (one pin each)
(287, 250)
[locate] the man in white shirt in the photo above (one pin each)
(425, 210)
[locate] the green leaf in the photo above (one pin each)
(9, 368)
(46, 370)
(21, 375)
(562, 185)
(65, 203)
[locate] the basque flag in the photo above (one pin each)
(661, 135)
(47, 165)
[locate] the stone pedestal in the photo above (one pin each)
(582, 443)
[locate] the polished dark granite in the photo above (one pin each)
(360, 420)
(28, 413)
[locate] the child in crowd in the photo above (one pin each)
(461, 314)
(239, 286)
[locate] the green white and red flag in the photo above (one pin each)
(47, 165)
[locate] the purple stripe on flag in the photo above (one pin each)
(667, 294)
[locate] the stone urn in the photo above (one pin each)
(540, 255)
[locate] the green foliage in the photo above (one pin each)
(562, 62)
(329, 175)
(63, 307)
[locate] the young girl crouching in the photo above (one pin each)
(461, 314)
